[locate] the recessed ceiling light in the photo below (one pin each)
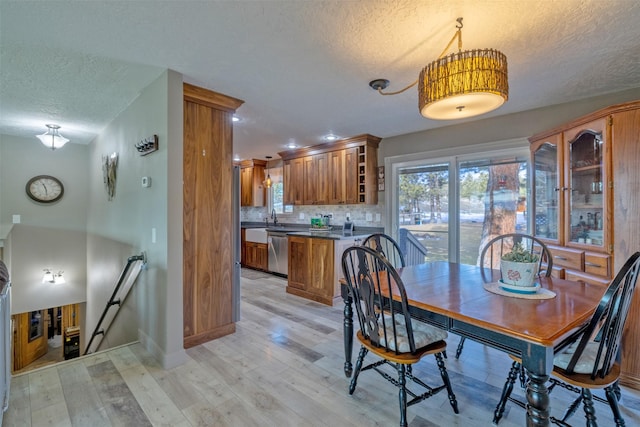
(292, 145)
(235, 118)
(236, 158)
(330, 137)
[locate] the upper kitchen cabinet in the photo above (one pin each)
(293, 173)
(208, 261)
(342, 172)
(315, 182)
(252, 189)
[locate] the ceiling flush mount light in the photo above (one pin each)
(52, 138)
(330, 137)
(460, 85)
(268, 182)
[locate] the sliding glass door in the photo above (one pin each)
(454, 205)
(423, 198)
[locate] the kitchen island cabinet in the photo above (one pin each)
(315, 265)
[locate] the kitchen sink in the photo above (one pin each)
(256, 235)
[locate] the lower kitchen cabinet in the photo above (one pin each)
(256, 255)
(311, 272)
(315, 267)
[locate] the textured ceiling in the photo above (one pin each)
(302, 67)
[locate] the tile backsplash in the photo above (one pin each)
(360, 215)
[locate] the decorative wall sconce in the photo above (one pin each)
(147, 145)
(50, 277)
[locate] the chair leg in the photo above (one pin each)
(589, 410)
(571, 409)
(356, 372)
(459, 349)
(613, 398)
(402, 393)
(506, 392)
(447, 382)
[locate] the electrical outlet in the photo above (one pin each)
(301, 216)
(16, 219)
(369, 217)
(348, 215)
(378, 217)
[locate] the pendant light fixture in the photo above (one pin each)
(52, 138)
(268, 182)
(460, 85)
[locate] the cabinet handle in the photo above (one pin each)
(560, 257)
(591, 264)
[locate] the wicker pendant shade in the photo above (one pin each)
(459, 85)
(463, 84)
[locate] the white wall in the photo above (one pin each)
(49, 235)
(511, 126)
(130, 217)
(34, 248)
(24, 158)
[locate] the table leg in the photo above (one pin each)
(538, 362)
(537, 400)
(348, 333)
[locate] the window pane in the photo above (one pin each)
(423, 203)
(492, 202)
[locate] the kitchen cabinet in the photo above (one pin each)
(315, 267)
(342, 172)
(343, 176)
(315, 179)
(311, 268)
(586, 179)
(293, 178)
(252, 176)
(207, 215)
(256, 255)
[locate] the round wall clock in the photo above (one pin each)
(45, 189)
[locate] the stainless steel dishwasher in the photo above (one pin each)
(278, 252)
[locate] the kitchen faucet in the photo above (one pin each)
(274, 217)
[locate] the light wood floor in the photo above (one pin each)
(283, 367)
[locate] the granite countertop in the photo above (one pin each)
(331, 235)
(305, 230)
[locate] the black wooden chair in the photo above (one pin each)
(590, 358)
(387, 247)
(494, 249)
(387, 330)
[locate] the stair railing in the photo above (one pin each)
(126, 280)
(414, 252)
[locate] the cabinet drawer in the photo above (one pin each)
(598, 264)
(569, 258)
(587, 278)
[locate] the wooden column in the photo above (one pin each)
(207, 223)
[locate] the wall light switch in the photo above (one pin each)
(153, 235)
(16, 219)
(369, 217)
(378, 217)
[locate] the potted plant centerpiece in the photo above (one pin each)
(519, 267)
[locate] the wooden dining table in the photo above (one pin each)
(452, 297)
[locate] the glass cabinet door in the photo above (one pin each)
(586, 177)
(547, 188)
